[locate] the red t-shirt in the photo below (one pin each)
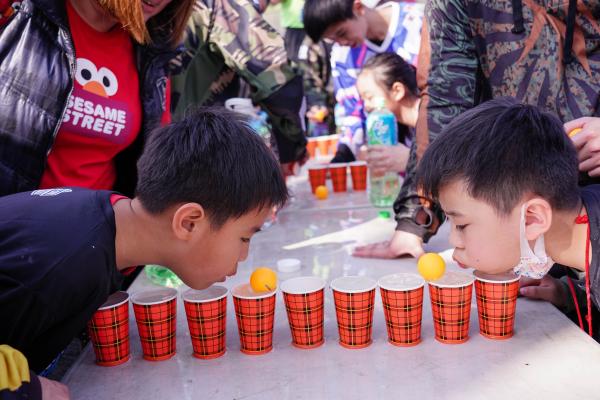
(104, 113)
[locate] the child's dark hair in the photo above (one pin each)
(318, 15)
(213, 158)
(504, 150)
(391, 68)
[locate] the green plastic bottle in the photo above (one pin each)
(162, 276)
(382, 129)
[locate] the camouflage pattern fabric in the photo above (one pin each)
(227, 39)
(470, 54)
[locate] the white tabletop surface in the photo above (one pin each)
(548, 357)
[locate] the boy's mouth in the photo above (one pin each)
(459, 263)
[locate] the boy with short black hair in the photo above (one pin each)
(206, 185)
(506, 175)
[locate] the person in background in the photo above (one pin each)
(226, 40)
(360, 33)
(388, 76)
(86, 81)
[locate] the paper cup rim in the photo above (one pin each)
(470, 281)
(191, 291)
(483, 279)
(167, 297)
(357, 163)
(318, 166)
(319, 285)
(393, 289)
(117, 304)
(372, 285)
(338, 165)
(263, 296)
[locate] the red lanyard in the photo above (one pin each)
(584, 220)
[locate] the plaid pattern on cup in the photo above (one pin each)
(304, 304)
(354, 299)
(496, 305)
(338, 173)
(323, 145)
(451, 309)
(311, 147)
(403, 315)
(317, 176)
(109, 331)
(358, 171)
(333, 143)
(206, 312)
(255, 318)
(156, 318)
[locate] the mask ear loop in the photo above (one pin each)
(525, 248)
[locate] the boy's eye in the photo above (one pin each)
(461, 227)
(246, 240)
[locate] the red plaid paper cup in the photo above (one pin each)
(156, 317)
(333, 143)
(339, 178)
(354, 298)
(323, 145)
(304, 304)
(496, 304)
(358, 171)
(311, 147)
(255, 315)
(451, 306)
(402, 297)
(206, 312)
(317, 176)
(109, 330)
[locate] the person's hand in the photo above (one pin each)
(382, 159)
(548, 289)
(52, 390)
(317, 113)
(587, 143)
(401, 244)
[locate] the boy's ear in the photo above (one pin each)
(398, 91)
(538, 218)
(358, 8)
(188, 220)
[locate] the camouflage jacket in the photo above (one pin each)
(475, 50)
(227, 39)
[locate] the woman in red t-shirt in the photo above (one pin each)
(96, 76)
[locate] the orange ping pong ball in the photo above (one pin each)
(321, 192)
(574, 132)
(431, 266)
(263, 279)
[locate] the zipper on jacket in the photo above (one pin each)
(70, 58)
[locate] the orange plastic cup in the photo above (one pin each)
(156, 317)
(333, 143)
(304, 304)
(109, 330)
(206, 312)
(317, 176)
(496, 304)
(402, 297)
(354, 298)
(451, 306)
(338, 173)
(255, 315)
(358, 171)
(323, 145)
(311, 147)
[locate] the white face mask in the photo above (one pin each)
(533, 264)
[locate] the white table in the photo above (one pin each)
(548, 358)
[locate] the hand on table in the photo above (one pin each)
(587, 143)
(382, 159)
(53, 390)
(401, 244)
(548, 289)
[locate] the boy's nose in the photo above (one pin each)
(243, 254)
(454, 240)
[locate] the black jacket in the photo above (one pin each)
(37, 69)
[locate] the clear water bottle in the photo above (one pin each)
(382, 129)
(162, 276)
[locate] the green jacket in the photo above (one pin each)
(227, 39)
